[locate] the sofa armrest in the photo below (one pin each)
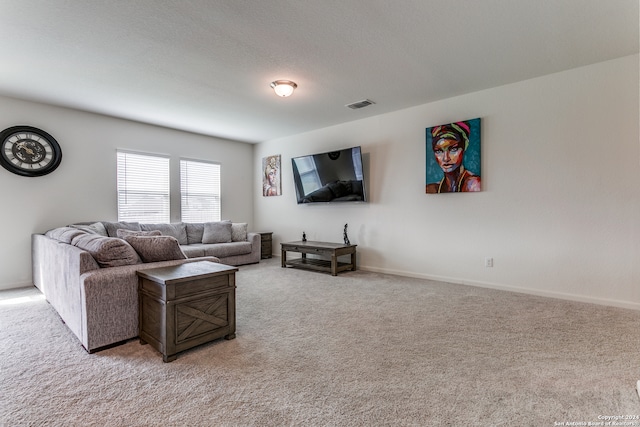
(255, 239)
(256, 246)
(48, 254)
(251, 258)
(56, 268)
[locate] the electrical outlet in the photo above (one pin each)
(488, 262)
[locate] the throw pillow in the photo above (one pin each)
(95, 228)
(217, 232)
(122, 233)
(194, 232)
(177, 230)
(107, 251)
(156, 248)
(64, 234)
(112, 227)
(239, 232)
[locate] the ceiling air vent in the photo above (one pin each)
(360, 104)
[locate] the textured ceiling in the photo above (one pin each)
(205, 65)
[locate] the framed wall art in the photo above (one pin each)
(453, 157)
(271, 184)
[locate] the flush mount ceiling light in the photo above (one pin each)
(283, 88)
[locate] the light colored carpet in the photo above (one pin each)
(360, 349)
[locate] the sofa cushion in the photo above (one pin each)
(222, 250)
(194, 232)
(194, 250)
(177, 230)
(217, 232)
(95, 228)
(64, 234)
(156, 248)
(107, 251)
(112, 227)
(239, 232)
(121, 233)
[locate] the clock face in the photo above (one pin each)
(29, 151)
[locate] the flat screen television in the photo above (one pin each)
(335, 176)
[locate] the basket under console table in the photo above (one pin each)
(328, 253)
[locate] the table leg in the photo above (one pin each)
(283, 257)
(334, 264)
(353, 261)
(167, 359)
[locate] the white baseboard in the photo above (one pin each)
(7, 286)
(501, 287)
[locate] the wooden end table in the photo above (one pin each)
(186, 305)
(265, 244)
(326, 249)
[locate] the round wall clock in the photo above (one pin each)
(29, 151)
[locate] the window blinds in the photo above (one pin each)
(143, 188)
(200, 191)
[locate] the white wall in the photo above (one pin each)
(83, 188)
(560, 206)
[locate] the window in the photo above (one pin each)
(200, 191)
(143, 188)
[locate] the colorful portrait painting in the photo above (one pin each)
(453, 157)
(271, 185)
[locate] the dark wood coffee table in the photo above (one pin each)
(322, 249)
(186, 305)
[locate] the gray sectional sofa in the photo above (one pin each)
(87, 271)
(228, 241)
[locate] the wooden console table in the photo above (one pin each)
(186, 305)
(326, 249)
